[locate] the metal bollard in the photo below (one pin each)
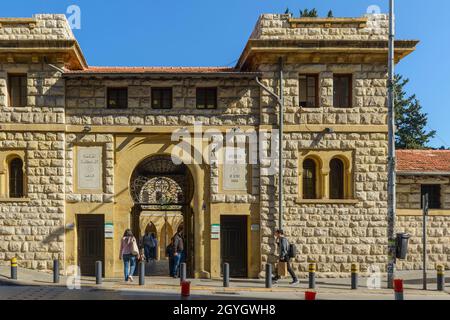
(398, 289)
(354, 276)
(14, 268)
(268, 275)
(226, 275)
(312, 276)
(440, 277)
(55, 271)
(98, 272)
(183, 272)
(141, 273)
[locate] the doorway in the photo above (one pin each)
(233, 244)
(91, 242)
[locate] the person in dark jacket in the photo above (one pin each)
(169, 254)
(178, 249)
(283, 249)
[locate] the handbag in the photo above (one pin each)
(135, 248)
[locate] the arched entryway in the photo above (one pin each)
(162, 192)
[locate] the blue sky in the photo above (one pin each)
(214, 32)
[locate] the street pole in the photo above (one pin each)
(391, 151)
(280, 150)
(424, 239)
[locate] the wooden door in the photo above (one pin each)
(233, 244)
(91, 243)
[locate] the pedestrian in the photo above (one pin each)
(154, 248)
(148, 244)
(129, 251)
(170, 256)
(178, 249)
(286, 251)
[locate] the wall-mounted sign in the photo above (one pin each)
(215, 231)
(254, 227)
(89, 168)
(109, 230)
(234, 169)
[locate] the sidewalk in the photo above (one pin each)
(337, 288)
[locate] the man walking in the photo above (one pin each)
(285, 252)
(178, 248)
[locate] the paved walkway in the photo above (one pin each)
(329, 288)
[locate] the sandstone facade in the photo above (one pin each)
(68, 110)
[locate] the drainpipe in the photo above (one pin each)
(391, 152)
(280, 101)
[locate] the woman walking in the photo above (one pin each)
(129, 250)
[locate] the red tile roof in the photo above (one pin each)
(154, 70)
(423, 161)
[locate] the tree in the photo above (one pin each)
(287, 11)
(410, 121)
(309, 13)
(330, 14)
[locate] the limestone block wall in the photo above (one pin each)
(45, 95)
(369, 104)
(409, 190)
(40, 27)
(238, 103)
(32, 229)
(438, 241)
(334, 235)
(277, 26)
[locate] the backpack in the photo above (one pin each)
(292, 250)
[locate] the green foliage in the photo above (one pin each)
(330, 14)
(309, 13)
(287, 11)
(410, 121)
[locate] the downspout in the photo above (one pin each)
(280, 102)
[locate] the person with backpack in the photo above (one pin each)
(148, 244)
(286, 252)
(153, 254)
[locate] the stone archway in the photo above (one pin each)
(162, 192)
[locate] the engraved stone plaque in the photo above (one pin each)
(235, 170)
(89, 168)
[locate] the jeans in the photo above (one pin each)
(148, 252)
(171, 261)
(129, 264)
(176, 264)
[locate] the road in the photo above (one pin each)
(90, 293)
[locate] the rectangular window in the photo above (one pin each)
(117, 98)
(206, 98)
(17, 90)
(309, 91)
(161, 98)
(342, 91)
(434, 195)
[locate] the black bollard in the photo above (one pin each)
(98, 272)
(440, 278)
(14, 268)
(183, 272)
(312, 276)
(354, 276)
(142, 273)
(55, 271)
(226, 275)
(268, 275)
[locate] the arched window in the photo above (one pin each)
(309, 179)
(16, 178)
(336, 179)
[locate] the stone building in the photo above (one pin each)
(85, 152)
